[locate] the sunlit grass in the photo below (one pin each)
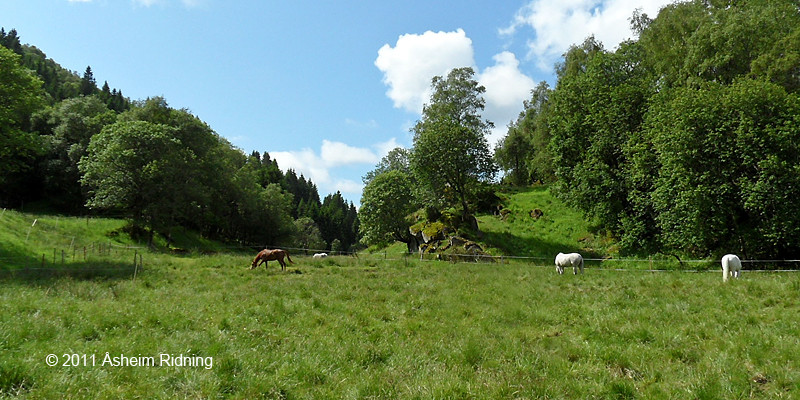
(346, 328)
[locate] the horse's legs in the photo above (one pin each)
(283, 264)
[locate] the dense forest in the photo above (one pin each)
(73, 147)
(684, 140)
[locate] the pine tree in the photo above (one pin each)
(105, 93)
(88, 84)
(11, 41)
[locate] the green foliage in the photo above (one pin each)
(523, 153)
(727, 168)
(308, 236)
(20, 96)
(451, 154)
(88, 83)
(66, 129)
(595, 109)
(386, 202)
(338, 220)
(142, 169)
(396, 160)
(683, 140)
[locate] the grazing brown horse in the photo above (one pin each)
(270, 255)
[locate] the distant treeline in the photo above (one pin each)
(76, 148)
(685, 140)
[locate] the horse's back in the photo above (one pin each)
(571, 259)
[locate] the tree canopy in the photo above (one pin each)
(683, 140)
(451, 154)
(20, 96)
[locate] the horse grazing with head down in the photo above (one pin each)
(565, 260)
(267, 255)
(731, 266)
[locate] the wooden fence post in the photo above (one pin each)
(135, 266)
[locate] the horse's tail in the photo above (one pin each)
(289, 258)
(581, 264)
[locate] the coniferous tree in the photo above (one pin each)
(11, 41)
(88, 84)
(105, 93)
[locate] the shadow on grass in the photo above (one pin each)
(87, 271)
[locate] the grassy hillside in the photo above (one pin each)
(25, 238)
(559, 229)
(38, 239)
(516, 233)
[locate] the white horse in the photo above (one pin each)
(731, 266)
(565, 260)
(320, 255)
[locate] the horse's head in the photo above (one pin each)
(254, 263)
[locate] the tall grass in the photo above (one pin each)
(347, 328)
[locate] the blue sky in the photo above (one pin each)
(327, 88)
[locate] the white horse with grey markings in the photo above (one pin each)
(731, 266)
(565, 260)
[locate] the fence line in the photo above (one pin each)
(101, 247)
(64, 261)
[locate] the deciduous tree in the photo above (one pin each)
(451, 154)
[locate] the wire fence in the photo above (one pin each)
(39, 249)
(83, 255)
(602, 264)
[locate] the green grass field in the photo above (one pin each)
(381, 326)
(344, 328)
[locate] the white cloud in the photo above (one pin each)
(304, 162)
(332, 155)
(558, 25)
(335, 154)
(347, 186)
(382, 149)
(409, 66)
(506, 88)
